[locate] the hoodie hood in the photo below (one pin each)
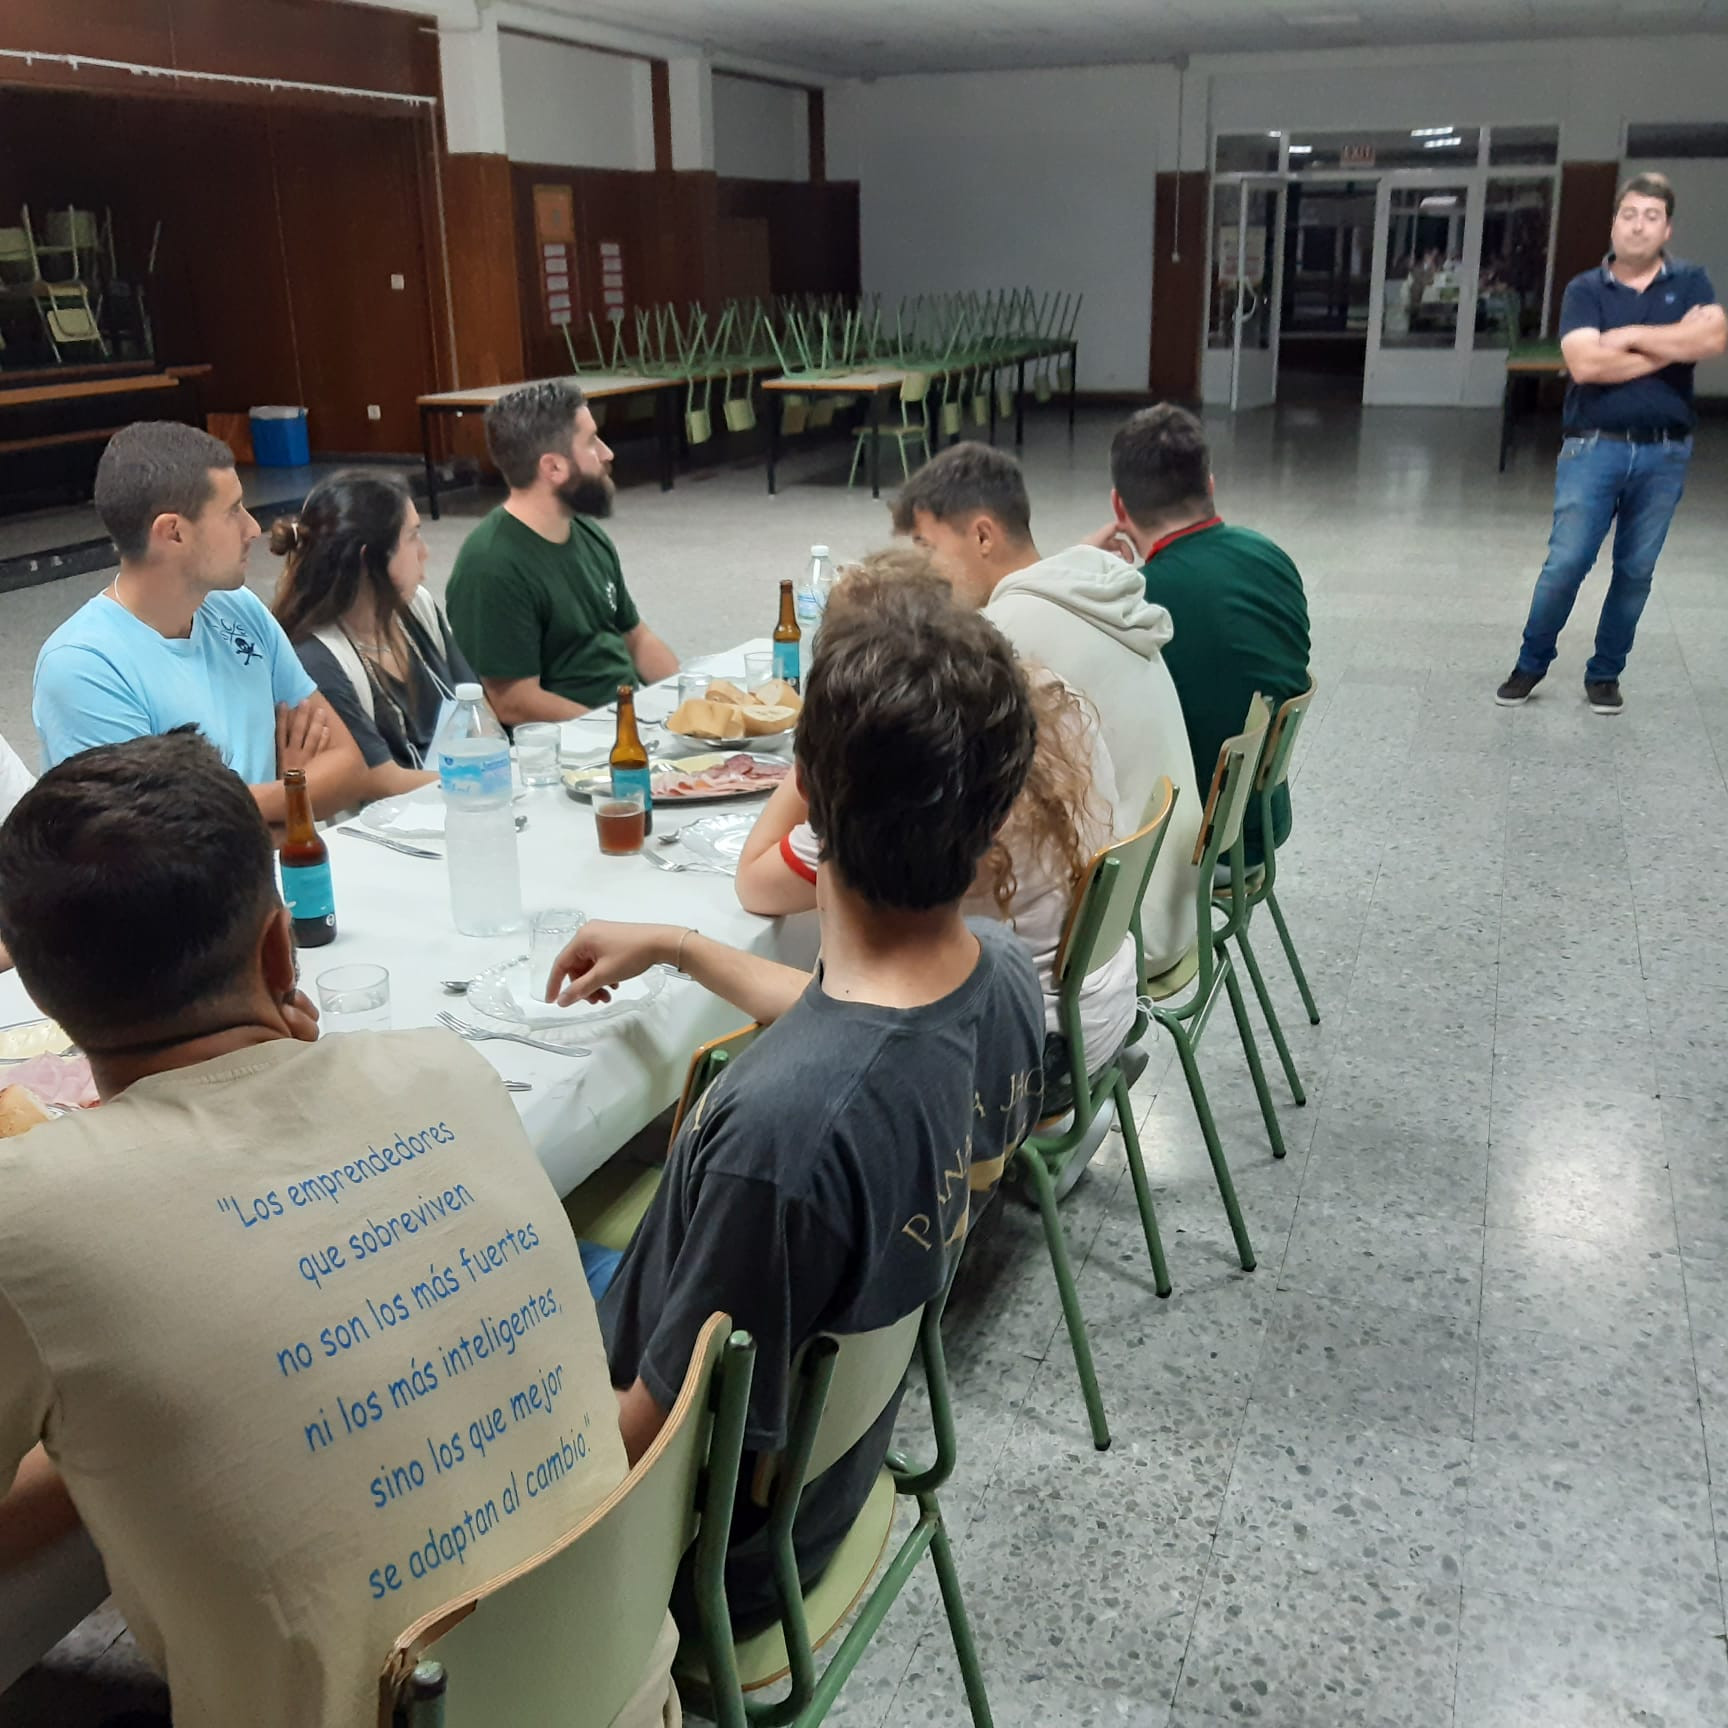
(1098, 587)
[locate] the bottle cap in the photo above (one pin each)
(469, 693)
(818, 551)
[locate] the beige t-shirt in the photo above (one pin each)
(306, 1331)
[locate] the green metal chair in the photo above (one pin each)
(607, 1207)
(1182, 998)
(1261, 881)
(1106, 912)
(840, 1387)
(913, 428)
(566, 1637)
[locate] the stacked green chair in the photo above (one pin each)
(914, 427)
(1182, 999)
(1106, 911)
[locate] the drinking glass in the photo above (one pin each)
(537, 753)
(553, 932)
(354, 999)
(692, 687)
(758, 670)
(619, 821)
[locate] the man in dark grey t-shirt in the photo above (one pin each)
(825, 1182)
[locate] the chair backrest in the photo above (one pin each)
(914, 388)
(706, 1067)
(1106, 906)
(868, 1368)
(567, 1635)
(1227, 802)
(1281, 742)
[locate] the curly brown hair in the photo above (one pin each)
(1057, 820)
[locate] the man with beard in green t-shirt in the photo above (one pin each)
(537, 598)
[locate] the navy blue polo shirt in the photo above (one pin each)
(1599, 300)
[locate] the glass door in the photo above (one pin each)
(1240, 366)
(1423, 305)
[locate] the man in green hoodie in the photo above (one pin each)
(1234, 598)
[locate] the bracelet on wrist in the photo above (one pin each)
(678, 960)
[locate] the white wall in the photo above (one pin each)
(1700, 237)
(575, 107)
(1014, 179)
(981, 179)
(761, 131)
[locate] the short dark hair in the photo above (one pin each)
(968, 480)
(1159, 461)
(339, 548)
(1648, 186)
(154, 468)
(524, 425)
(134, 880)
(914, 741)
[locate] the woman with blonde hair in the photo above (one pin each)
(353, 602)
(1029, 876)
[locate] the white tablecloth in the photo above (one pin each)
(395, 910)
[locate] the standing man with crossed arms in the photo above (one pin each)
(1631, 331)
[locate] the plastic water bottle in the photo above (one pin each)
(812, 594)
(473, 759)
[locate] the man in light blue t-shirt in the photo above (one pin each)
(177, 639)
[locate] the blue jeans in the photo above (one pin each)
(1601, 481)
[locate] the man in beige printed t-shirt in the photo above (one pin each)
(300, 1324)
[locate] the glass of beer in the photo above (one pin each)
(618, 821)
(354, 999)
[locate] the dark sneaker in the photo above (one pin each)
(1517, 687)
(1603, 695)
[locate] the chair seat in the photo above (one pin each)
(607, 1207)
(1178, 977)
(1251, 881)
(890, 432)
(762, 1659)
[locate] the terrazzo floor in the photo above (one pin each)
(1456, 1454)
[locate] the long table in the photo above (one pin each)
(1525, 369)
(596, 386)
(874, 383)
(394, 911)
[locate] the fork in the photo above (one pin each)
(483, 1035)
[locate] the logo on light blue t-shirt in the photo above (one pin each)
(242, 644)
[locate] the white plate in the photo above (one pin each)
(416, 815)
(27, 1038)
(507, 993)
(717, 840)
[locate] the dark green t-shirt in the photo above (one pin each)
(1241, 626)
(523, 607)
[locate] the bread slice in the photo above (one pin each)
(722, 691)
(765, 722)
(20, 1111)
(777, 694)
(707, 719)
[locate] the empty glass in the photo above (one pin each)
(692, 687)
(553, 932)
(758, 670)
(354, 999)
(537, 753)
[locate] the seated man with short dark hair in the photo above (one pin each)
(825, 1181)
(178, 639)
(1234, 597)
(300, 1323)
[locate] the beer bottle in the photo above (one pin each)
(629, 760)
(787, 637)
(305, 865)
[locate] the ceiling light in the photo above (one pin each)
(1301, 149)
(1274, 134)
(1432, 131)
(1442, 143)
(1439, 201)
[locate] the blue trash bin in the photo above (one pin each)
(279, 438)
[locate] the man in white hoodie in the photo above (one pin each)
(1085, 615)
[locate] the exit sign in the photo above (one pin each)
(1356, 156)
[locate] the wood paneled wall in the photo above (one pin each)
(1581, 228)
(1178, 286)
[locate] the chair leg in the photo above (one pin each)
(1296, 971)
(1142, 1188)
(959, 1624)
(857, 452)
(1039, 1176)
(1251, 1050)
(1214, 1147)
(905, 467)
(1272, 1022)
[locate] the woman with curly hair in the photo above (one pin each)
(1027, 879)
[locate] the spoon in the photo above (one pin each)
(454, 986)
